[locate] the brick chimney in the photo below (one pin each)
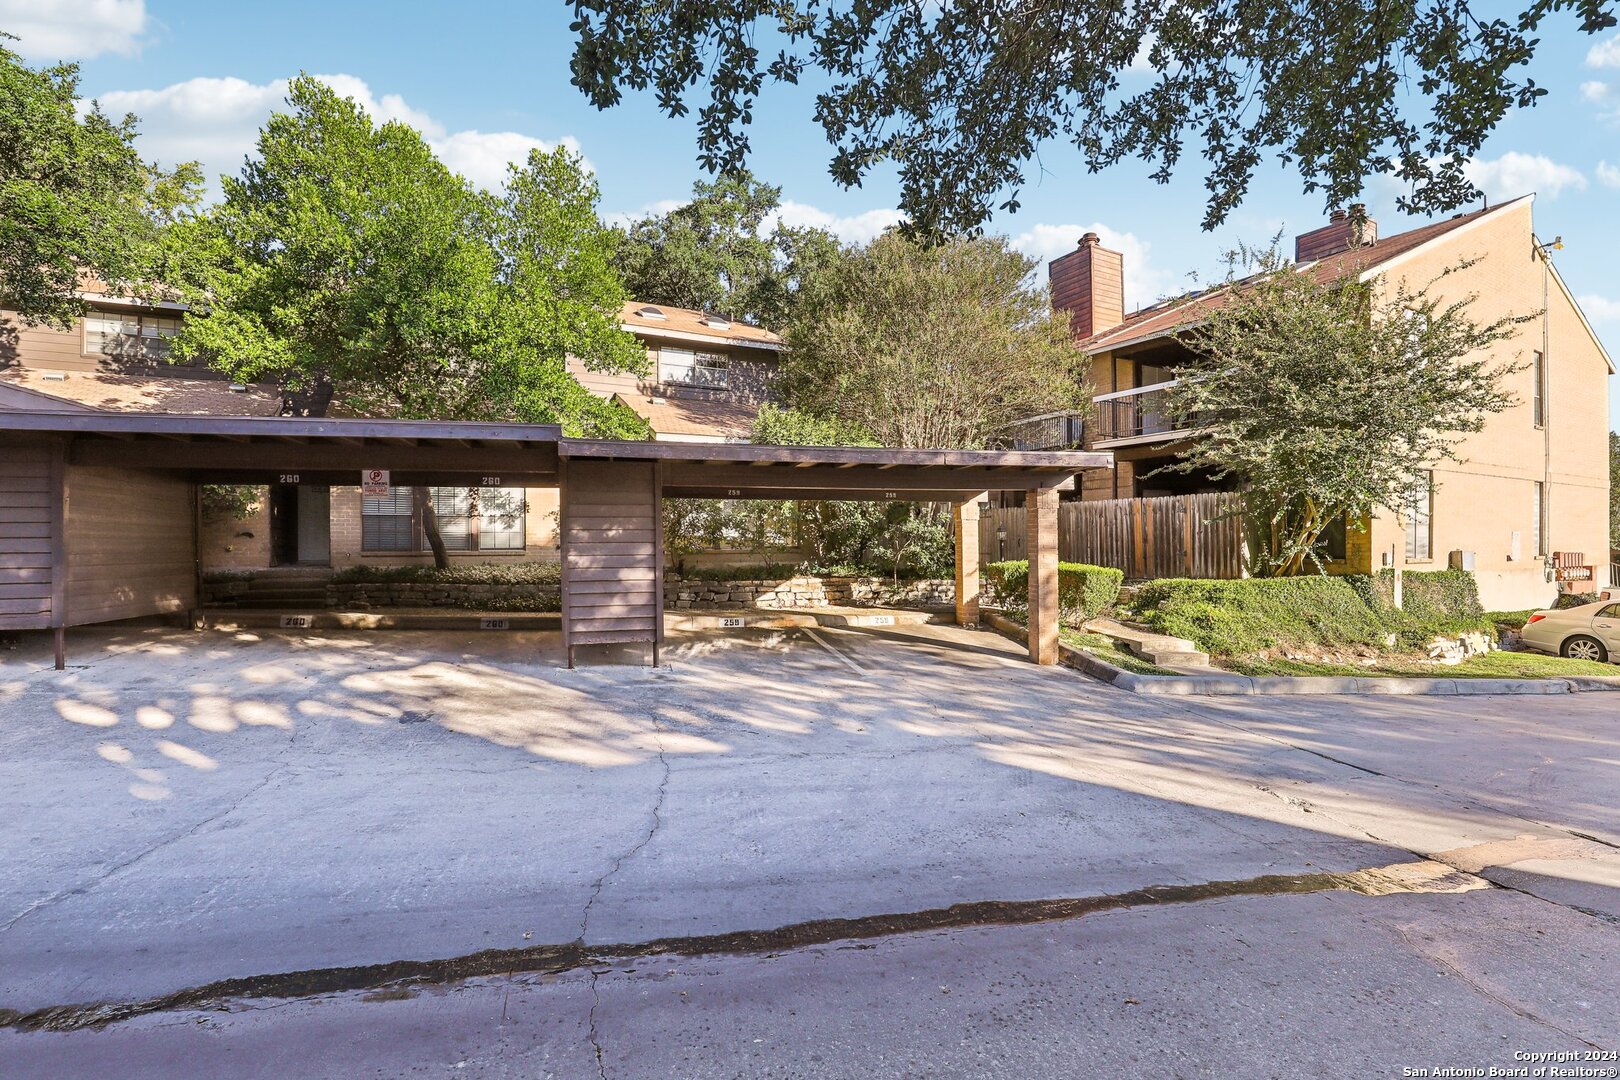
(1337, 236)
(1089, 283)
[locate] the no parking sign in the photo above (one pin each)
(374, 482)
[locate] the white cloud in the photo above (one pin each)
(217, 121)
(1605, 54)
(1605, 98)
(1600, 309)
(855, 229)
(1514, 174)
(51, 30)
(482, 156)
(1144, 282)
(1608, 175)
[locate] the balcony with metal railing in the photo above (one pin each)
(1135, 416)
(1048, 431)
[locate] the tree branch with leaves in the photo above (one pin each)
(963, 97)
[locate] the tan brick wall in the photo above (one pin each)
(230, 543)
(1481, 502)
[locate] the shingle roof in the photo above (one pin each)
(146, 394)
(685, 321)
(681, 416)
(1170, 315)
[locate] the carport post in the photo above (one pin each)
(1041, 505)
(966, 530)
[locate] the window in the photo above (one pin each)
(1419, 518)
(469, 519)
(1538, 401)
(687, 368)
(386, 522)
(1538, 527)
(479, 519)
(141, 337)
(1333, 544)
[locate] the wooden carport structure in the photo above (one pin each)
(99, 515)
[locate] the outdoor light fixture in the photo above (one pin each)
(984, 507)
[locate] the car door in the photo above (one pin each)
(1606, 624)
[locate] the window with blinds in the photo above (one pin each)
(130, 336)
(469, 519)
(387, 522)
(683, 367)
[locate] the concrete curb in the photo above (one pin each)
(1234, 685)
(784, 618)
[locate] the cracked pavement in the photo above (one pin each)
(473, 893)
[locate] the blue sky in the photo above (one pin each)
(488, 80)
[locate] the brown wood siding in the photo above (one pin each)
(43, 346)
(611, 552)
(27, 511)
(131, 545)
(751, 381)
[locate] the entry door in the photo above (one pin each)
(283, 524)
(314, 524)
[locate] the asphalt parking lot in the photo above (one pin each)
(829, 852)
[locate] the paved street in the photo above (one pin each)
(805, 853)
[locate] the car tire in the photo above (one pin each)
(1582, 647)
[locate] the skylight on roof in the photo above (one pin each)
(718, 322)
(650, 312)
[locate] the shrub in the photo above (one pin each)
(1432, 603)
(530, 574)
(1084, 591)
(1235, 618)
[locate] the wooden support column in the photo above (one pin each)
(965, 528)
(1042, 524)
(59, 507)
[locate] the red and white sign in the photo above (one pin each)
(374, 482)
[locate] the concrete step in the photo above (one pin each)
(1161, 649)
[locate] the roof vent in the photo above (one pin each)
(238, 388)
(718, 322)
(54, 376)
(649, 312)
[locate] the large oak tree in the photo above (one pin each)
(348, 265)
(931, 345)
(75, 197)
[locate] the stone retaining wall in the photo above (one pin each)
(807, 592)
(797, 592)
(368, 595)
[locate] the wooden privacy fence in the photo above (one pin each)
(1172, 536)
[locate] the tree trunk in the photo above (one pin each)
(423, 499)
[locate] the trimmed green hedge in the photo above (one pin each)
(1237, 618)
(518, 573)
(1084, 591)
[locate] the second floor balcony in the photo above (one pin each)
(1138, 415)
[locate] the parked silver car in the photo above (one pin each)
(1588, 632)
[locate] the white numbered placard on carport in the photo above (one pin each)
(374, 483)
